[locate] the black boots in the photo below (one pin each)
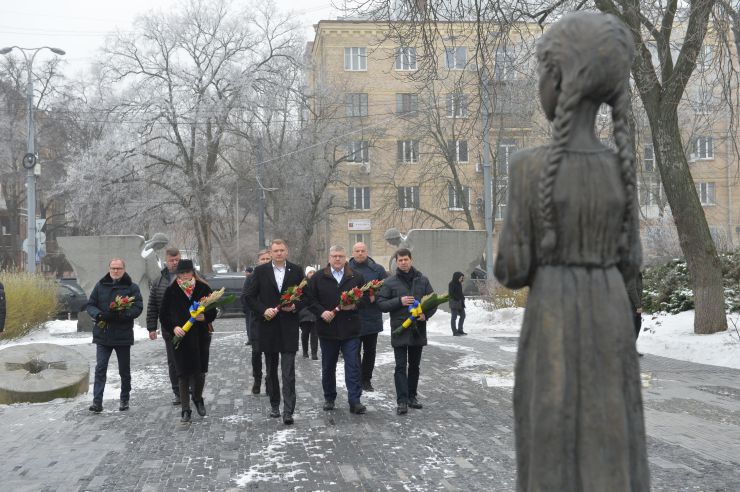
(96, 407)
(200, 407)
(402, 409)
(186, 416)
(256, 386)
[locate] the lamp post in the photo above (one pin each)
(29, 160)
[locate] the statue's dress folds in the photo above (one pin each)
(577, 401)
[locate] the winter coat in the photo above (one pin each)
(253, 331)
(454, 289)
(280, 334)
(191, 357)
(323, 295)
(389, 301)
(120, 329)
(3, 309)
(634, 291)
(156, 291)
(306, 317)
(371, 318)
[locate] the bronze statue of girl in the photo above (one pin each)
(571, 234)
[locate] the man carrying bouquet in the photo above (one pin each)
(277, 324)
(114, 304)
(334, 294)
(397, 294)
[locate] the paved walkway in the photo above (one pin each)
(461, 440)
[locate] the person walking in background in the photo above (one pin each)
(278, 326)
(634, 292)
(395, 296)
(191, 356)
(307, 322)
(457, 303)
(262, 258)
(371, 319)
(248, 318)
(113, 330)
(156, 291)
(338, 330)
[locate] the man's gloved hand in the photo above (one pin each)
(103, 316)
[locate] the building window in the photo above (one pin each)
(407, 103)
(357, 151)
(405, 58)
(360, 237)
(504, 64)
(359, 198)
(454, 200)
(501, 189)
(505, 149)
(408, 151)
(650, 192)
(459, 149)
(355, 59)
(703, 148)
(408, 197)
(648, 158)
(356, 104)
(456, 58)
(457, 105)
(706, 193)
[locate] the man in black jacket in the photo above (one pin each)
(337, 330)
(113, 330)
(156, 291)
(253, 324)
(277, 326)
(395, 297)
(371, 319)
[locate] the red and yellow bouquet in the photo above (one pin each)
(372, 287)
(292, 294)
(348, 298)
(120, 303)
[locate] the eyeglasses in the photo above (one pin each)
(115, 268)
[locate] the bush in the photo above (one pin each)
(501, 297)
(31, 300)
(668, 287)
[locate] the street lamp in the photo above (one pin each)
(29, 160)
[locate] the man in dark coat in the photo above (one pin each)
(371, 319)
(156, 292)
(395, 297)
(3, 308)
(113, 330)
(262, 258)
(277, 326)
(457, 303)
(337, 330)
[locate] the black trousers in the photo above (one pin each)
(638, 323)
(286, 360)
(256, 363)
(407, 380)
(309, 331)
(195, 381)
(368, 349)
(171, 364)
(455, 313)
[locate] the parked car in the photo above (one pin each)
(71, 298)
(220, 268)
(233, 282)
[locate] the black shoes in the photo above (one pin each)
(256, 386)
(358, 409)
(455, 334)
(176, 402)
(367, 386)
(314, 356)
(460, 332)
(305, 355)
(96, 407)
(123, 406)
(402, 409)
(414, 403)
(200, 407)
(328, 405)
(288, 419)
(275, 412)
(186, 416)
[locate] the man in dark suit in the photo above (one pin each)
(277, 327)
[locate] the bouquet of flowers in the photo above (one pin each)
(120, 303)
(211, 301)
(292, 294)
(427, 303)
(372, 287)
(349, 297)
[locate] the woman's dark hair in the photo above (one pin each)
(402, 252)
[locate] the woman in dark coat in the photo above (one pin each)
(457, 303)
(191, 356)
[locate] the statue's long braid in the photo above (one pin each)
(562, 125)
(626, 163)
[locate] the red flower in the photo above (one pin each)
(112, 304)
(357, 292)
(285, 297)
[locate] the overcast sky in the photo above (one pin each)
(79, 26)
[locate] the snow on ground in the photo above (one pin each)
(63, 332)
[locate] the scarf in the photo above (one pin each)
(406, 277)
(187, 286)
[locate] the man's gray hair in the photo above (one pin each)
(337, 248)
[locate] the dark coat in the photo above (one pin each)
(191, 357)
(120, 329)
(389, 301)
(634, 291)
(323, 295)
(280, 334)
(455, 290)
(3, 309)
(371, 318)
(248, 313)
(156, 291)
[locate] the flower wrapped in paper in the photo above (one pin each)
(427, 303)
(120, 303)
(349, 297)
(372, 287)
(211, 301)
(292, 294)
